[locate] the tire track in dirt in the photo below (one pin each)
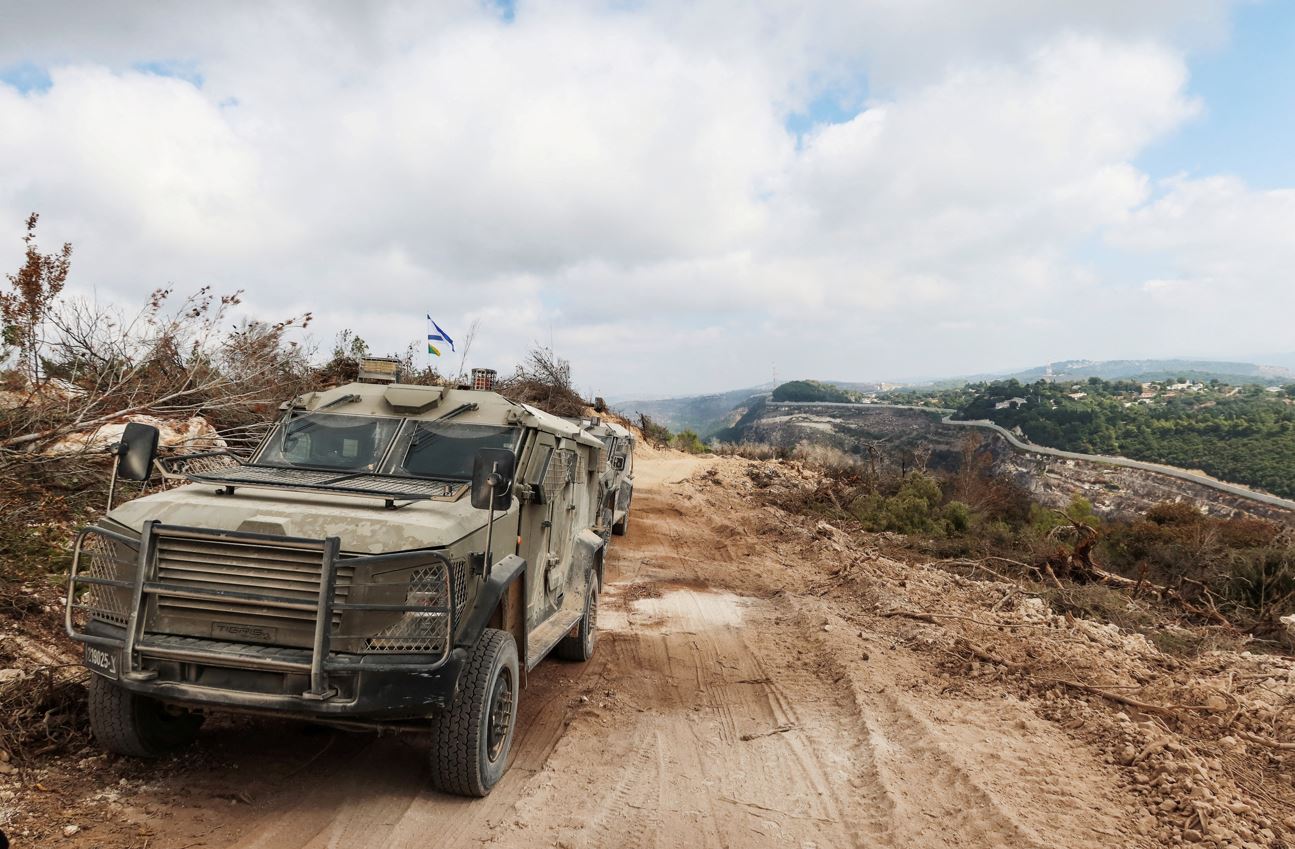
(1005, 778)
(730, 764)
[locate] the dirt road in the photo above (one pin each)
(728, 705)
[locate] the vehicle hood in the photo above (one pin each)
(364, 525)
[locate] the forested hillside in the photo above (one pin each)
(1244, 434)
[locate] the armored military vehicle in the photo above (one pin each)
(391, 555)
(615, 473)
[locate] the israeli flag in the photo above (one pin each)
(436, 334)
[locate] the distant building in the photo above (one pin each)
(1077, 396)
(1010, 402)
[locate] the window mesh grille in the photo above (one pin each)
(420, 633)
(559, 474)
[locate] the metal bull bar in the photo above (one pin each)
(117, 597)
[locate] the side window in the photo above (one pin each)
(539, 470)
(561, 471)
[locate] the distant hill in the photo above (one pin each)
(813, 390)
(1200, 370)
(704, 414)
(710, 414)
(1286, 360)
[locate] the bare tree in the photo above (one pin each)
(34, 288)
(169, 361)
(467, 346)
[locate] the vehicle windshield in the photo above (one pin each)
(445, 450)
(329, 441)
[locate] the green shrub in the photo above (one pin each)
(958, 517)
(654, 433)
(914, 509)
(689, 441)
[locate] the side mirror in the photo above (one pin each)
(618, 463)
(136, 452)
(492, 478)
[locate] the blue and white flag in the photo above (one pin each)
(436, 334)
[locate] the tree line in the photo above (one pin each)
(1243, 434)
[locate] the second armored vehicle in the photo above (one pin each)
(615, 473)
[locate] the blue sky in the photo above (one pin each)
(1247, 86)
(25, 77)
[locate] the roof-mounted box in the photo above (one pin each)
(379, 370)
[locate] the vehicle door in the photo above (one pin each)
(625, 477)
(584, 493)
(546, 524)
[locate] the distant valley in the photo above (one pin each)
(708, 414)
(1234, 421)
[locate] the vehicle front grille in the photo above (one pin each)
(289, 574)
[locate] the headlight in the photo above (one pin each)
(102, 555)
(420, 632)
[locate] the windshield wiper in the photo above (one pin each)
(336, 402)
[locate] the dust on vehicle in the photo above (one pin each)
(615, 472)
(391, 555)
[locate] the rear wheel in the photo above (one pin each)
(620, 527)
(130, 724)
(579, 646)
(471, 739)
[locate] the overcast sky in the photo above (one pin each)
(680, 196)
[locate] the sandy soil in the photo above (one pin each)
(736, 699)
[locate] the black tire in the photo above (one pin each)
(580, 645)
(130, 724)
(472, 738)
(620, 527)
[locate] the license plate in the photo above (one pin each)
(101, 661)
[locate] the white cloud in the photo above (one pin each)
(622, 178)
(1230, 250)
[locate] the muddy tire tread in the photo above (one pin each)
(456, 732)
(120, 721)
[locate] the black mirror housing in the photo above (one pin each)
(136, 452)
(492, 475)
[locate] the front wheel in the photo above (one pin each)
(471, 738)
(130, 724)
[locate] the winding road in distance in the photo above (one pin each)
(1015, 442)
